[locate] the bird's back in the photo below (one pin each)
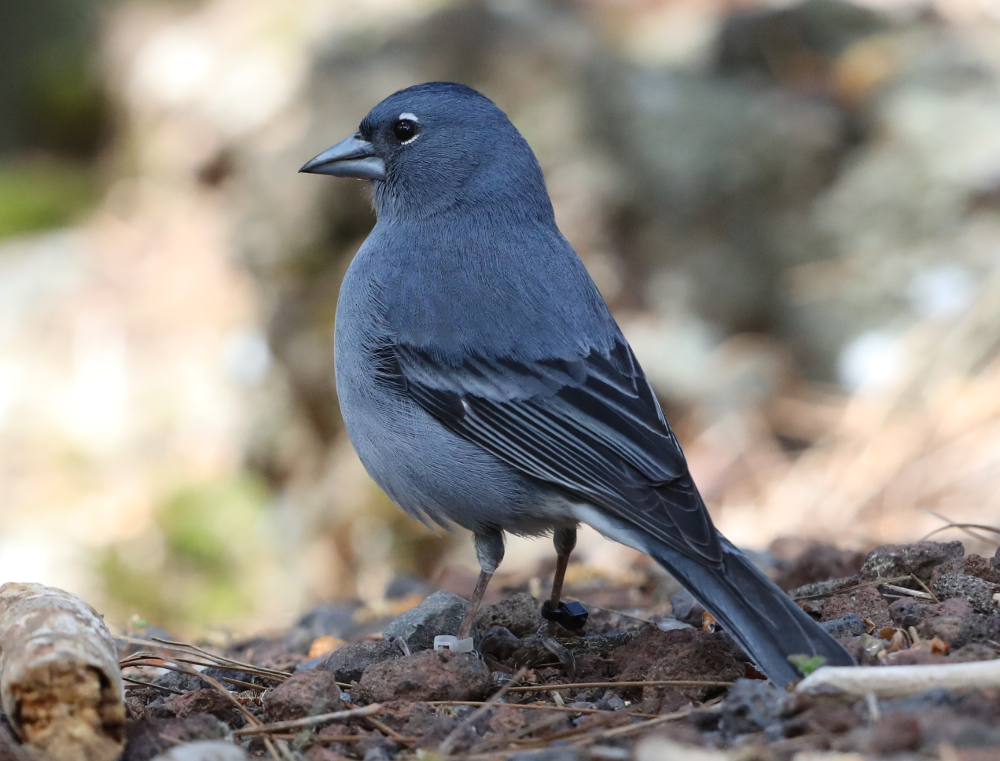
(487, 283)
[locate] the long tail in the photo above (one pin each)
(755, 612)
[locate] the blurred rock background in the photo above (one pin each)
(792, 207)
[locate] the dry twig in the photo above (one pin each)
(909, 592)
(385, 729)
(543, 707)
(309, 721)
(927, 589)
(449, 742)
(321, 739)
(587, 738)
(543, 723)
(145, 659)
(651, 683)
(852, 588)
(213, 661)
(584, 737)
(963, 527)
(140, 683)
(899, 681)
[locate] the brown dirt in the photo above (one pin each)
(421, 694)
(865, 602)
(207, 701)
(308, 694)
(428, 675)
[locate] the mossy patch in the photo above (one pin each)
(42, 194)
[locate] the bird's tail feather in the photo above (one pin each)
(755, 612)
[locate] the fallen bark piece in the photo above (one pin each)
(206, 750)
(60, 684)
(899, 681)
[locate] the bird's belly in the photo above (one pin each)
(431, 472)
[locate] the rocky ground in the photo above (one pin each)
(925, 603)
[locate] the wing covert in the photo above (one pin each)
(590, 426)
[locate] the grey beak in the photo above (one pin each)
(352, 157)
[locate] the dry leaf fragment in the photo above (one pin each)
(323, 645)
(938, 646)
(899, 641)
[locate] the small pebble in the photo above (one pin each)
(206, 750)
(615, 703)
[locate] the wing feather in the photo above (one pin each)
(591, 427)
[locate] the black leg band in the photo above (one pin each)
(572, 615)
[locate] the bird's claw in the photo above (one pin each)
(565, 656)
(499, 643)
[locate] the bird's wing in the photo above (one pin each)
(590, 426)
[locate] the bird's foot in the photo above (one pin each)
(501, 645)
(565, 656)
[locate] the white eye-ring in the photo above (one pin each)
(406, 128)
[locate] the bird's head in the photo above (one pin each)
(437, 147)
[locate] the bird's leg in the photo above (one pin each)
(474, 600)
(564, 540)
(554, 612)
(489, 551)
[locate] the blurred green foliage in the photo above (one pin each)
(40, 194)
(55, 114)
(66, 110)
(51, 95)
(195, 563)
(807, 664)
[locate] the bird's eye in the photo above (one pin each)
(404, 130)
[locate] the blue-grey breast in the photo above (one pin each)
(485, 384)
